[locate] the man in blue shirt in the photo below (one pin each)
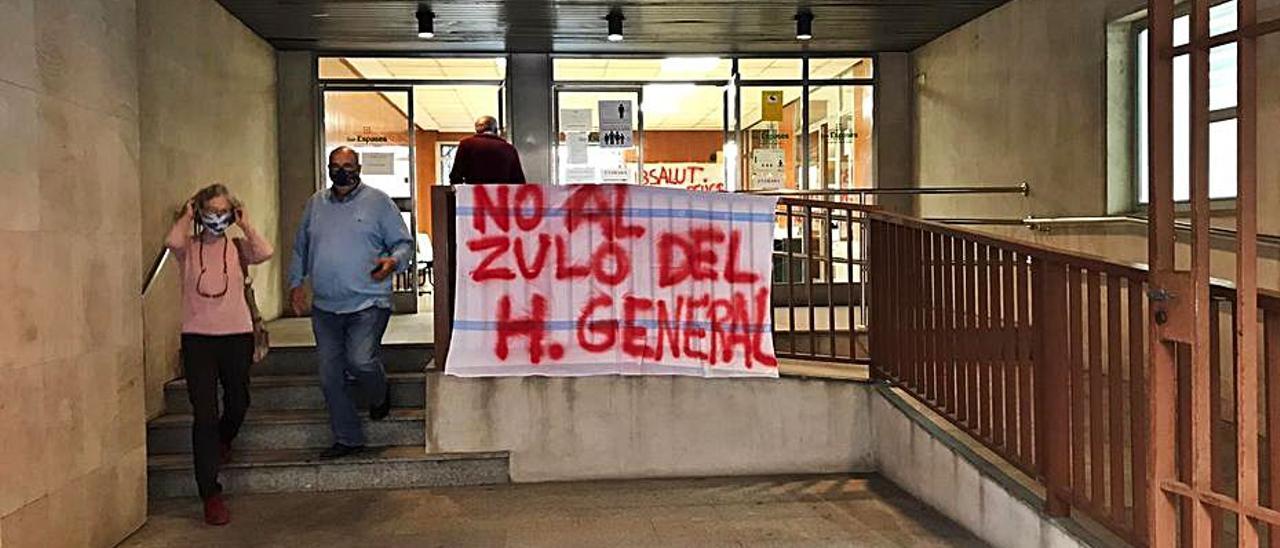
(351, 240)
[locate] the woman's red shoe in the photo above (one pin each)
(215, 511)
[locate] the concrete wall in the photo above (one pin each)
(894, 147)
(1029, 92)
(634, 427)
(298, 125)
(940, 471)
(207, 89)
(73, 457)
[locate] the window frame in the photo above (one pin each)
(1140, 110)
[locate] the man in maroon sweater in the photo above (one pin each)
(486, 158)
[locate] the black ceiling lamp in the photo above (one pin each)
(804, 25)
(615, 25)
(426, 23)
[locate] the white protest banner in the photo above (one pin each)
(686, 175)
(612, 279)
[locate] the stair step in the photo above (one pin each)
(289, 429)
(302, 360)
(300, 392)
(390, 467)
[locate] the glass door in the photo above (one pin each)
(586, 151)
(377, 122)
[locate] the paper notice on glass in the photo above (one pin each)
(580, 174)
(577, 148)
(575, 119)
(378, 163)
(767, 168)
(616, 175)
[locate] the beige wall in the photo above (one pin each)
(1030, 92)
(1021, 94)
(298, 119)
(72, 459)
(208, 96)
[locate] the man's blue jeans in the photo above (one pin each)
(350, 344)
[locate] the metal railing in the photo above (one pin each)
(1044, 357)
(153, 273)
(1020, 188)
(1047, 223)
(1029, 350)
(819, 270)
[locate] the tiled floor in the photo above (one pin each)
(773, 511)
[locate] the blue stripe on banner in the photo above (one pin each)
(658, 213)
(570, 325)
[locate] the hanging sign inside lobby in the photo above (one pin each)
(771, 105)
(612, 279)
(615, 124)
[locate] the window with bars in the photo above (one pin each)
(1222, 108)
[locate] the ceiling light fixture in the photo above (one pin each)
(804, 25)
(615, 19)
(426, 23)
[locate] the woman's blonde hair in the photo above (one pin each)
(202, 197)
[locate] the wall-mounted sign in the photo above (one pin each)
(367, 139)
(378, 163)
(771, 105)
(772, 138)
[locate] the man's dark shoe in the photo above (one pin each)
(339, 451)
(379, 412)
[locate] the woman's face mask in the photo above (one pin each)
(216, 223)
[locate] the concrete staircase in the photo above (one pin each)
(287, 427)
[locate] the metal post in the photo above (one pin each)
(1054, 390)
(1201, 398)
(1246, 331)
(1161, 520)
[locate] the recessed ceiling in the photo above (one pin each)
(578, 26)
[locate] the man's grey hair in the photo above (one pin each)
(486, 124)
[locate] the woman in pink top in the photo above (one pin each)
(217, 330)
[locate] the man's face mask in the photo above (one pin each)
(216, 223)
(344, 176)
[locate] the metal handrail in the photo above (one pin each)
(154, 272)
(1044, 222)
(1021, 188)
